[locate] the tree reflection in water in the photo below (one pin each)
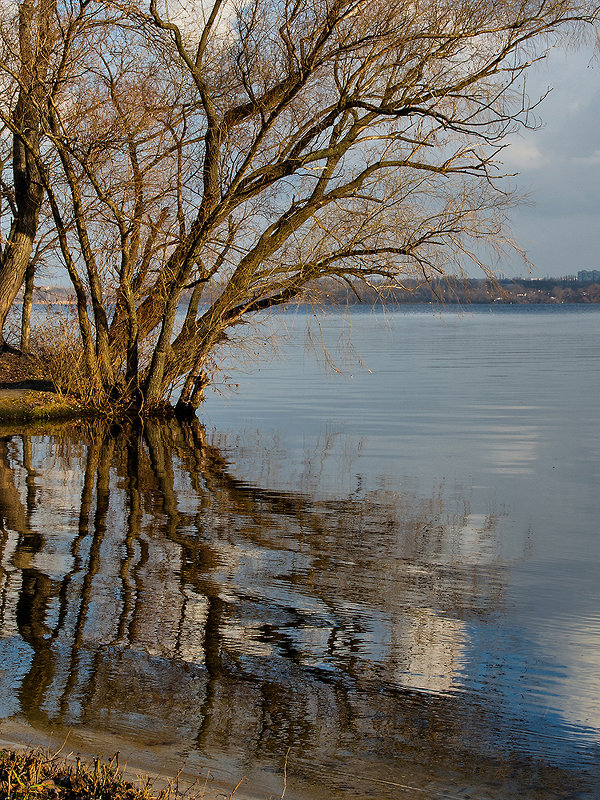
(147, 593)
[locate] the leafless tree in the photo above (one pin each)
(27, 43)
(41, 46)
(213, 161)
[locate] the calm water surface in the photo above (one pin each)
(387, 575)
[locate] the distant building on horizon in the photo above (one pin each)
(588, 276)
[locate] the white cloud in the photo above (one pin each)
(588, 161)
(523, 154)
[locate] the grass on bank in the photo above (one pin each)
(40, 775)
(33, 406)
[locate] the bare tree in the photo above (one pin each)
(213, 162)
(353, 138)
(26, 65)
(116, 196)
(41, 43)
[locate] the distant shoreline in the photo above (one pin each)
(445, 291)
(468, 291)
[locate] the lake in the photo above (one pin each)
(371, 571)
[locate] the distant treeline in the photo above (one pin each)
(443, 290)
(464, 291)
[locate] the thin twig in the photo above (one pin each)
(285, 760)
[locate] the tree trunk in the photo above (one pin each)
(27, 306)
(155, 383)
(192, 394)
(13, 267)
(36, 18)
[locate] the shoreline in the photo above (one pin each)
(33, 405)
(51, 775)
(165, 769)
(123, 778)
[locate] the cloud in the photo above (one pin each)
(559, 167)
(523, 154)
(588, 161)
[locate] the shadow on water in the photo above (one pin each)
(148, 595)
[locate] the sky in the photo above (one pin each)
(559, 169)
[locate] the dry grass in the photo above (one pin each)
(48, 382)
(17, 367)
(57, 355)
(39, 775)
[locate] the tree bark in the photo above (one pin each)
(193, 393)
(27, 306)
(14, 265)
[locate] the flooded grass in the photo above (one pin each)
(41, 775)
